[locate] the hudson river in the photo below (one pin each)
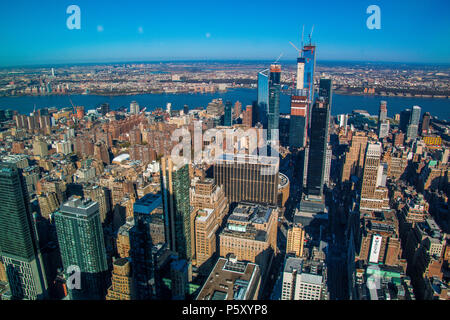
(341, 103)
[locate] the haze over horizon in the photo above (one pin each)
(138, 31)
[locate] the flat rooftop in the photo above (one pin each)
(231, 281)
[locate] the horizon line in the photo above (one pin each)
(181, 60)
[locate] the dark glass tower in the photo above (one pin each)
(405, 115)
(227, 118)
(81, 243)
(18, 238)
(320, 118)
(326, 91)
(175, 185)
(263, 97)
(273, 114)
(141, 245)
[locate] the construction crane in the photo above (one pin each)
(298, 50)
(275, 62)
(74, 108)
(310, 35)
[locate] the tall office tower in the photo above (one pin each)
(228, 116)
(211, 206)
(383, 129)
(247, 121)
(425, 125)
(309, 55)
(273, 114)
(134, 107)
(251, 234)
(175, 185)
(122, 286)
(354, 157)
(263, 98)
(328, 157)
(383, 123)
(19, 249)
(326, 90)
(298, 126)
(237, 109)
(303, 280)
(413, 126)
(81, 243)
(300, 102)
(186, 109)
(295, 240)
(141, 244)
(382, 112)
(169, 108)
(244, 179)
(405, 115)
(374, 194)
(320, 120)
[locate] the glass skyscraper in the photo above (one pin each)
(18, 238)
(263, 97)
(413, 126)
(227, 118)
(141, 245)
(326, 91)
(273, 114)
(82, 247)
(175, 186)
(320, 118)
(309, 55)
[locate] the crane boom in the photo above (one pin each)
(279, 58)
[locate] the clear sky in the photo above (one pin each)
(35, 32)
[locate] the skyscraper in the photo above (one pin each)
(326, 90)
(413, 126)
(244, 179)
(404, 119)
(175, 185)
(228, 118)
(425, 125)
(263, 97)
(273, 114)
(382, 112)
(374, 194)
(141, 244)
(309, 54)
(354, 157)
(320, 119)
(247, 120)
(134, 107)
(298, 127)
(81, 243)
(18, 238)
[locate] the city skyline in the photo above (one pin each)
(36, 34)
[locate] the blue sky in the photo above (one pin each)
(35, 32)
